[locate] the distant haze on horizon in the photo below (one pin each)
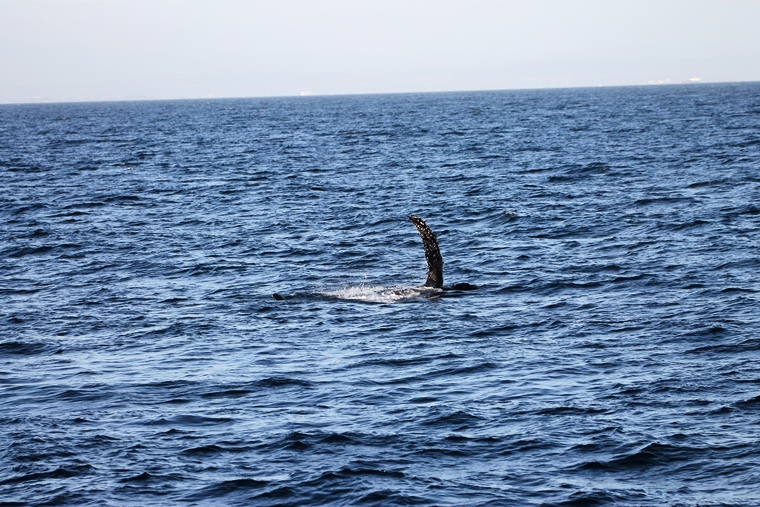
(93, 50)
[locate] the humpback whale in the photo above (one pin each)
(434, 259)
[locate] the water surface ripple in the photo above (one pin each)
(610, 355)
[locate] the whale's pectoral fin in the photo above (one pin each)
(432, 253)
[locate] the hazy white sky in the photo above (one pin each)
(63, 50)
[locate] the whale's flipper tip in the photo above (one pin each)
(432, 253)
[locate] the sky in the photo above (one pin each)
(92, 50)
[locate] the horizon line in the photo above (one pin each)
(308, 94)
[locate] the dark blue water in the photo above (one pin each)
(610, 356)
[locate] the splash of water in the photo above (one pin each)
(381, 294)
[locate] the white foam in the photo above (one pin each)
(380, 294)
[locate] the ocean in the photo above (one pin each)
(610, 355)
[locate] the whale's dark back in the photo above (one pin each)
(432, 253)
